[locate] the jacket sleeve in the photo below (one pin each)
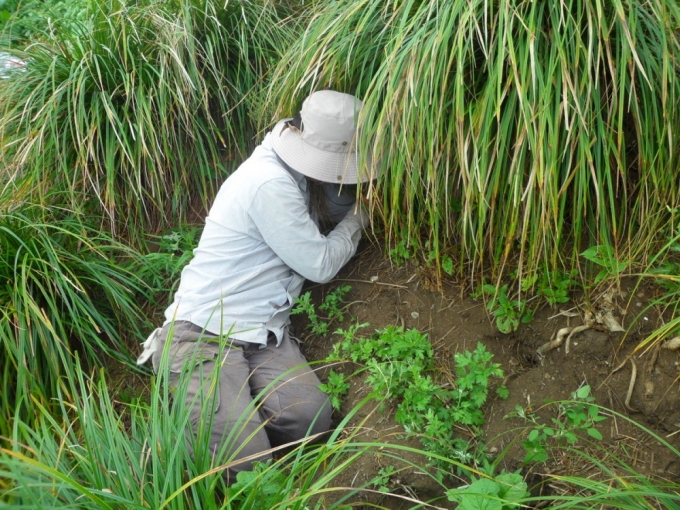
(280, 214)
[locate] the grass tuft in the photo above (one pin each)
(134, 107)
(64, 292)
(512, 135)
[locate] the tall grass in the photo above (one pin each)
(510, 133)
(63, 291)
(136, 106)
(99, 453)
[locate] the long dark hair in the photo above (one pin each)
(317, 202)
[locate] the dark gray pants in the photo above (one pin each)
(244, 400)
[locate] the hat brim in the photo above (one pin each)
(326, 166)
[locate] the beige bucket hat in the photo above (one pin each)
(324, 146)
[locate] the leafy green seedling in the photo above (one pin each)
(382, 481)
(400, 253)
(161, 269)
(579, 415)
(474, 371)
(336, 387)
(554, 286)
(447, 265)
(304, 304)
(400, 367)
(508, 312)
(260, 488)
(503, 492)
(603, 255)
(331, 305)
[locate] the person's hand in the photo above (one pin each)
(359, 213)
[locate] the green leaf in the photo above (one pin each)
(503, 392)
(479, 495)
(489, 289)
(595, 433)
(513, 489)
(506, 324)
(534, 453)
(447, 265)
(583, 392)
(601, 276)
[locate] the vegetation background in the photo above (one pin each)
(521, 145)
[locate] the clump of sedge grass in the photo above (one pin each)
(511, 132)
(133, 107)
(63, 291)
(96, 452)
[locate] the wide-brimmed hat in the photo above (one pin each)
(323, 146)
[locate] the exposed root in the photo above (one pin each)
(554, 344)
(565, 333)
(649, 366)
(604, 317)
(631, 385)
(574, 331)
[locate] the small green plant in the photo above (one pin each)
(400, 367)
(508, 312)
(404, 249)
(474, 372)
(504, 492)
(432, 256)
(304, 304)
(331, 305)
(382, 481)
(554, 286)
(161, 269)
(400, 253)
(336, 387)
(604, 256)
(260, 488)
(447, 265)
(579, 415)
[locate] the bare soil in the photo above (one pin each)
(384, 294)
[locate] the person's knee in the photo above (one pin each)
(313, 415)
(294, 416)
